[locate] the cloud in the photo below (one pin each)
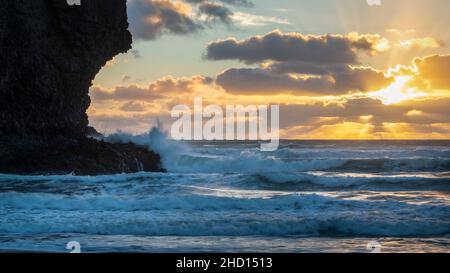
(111, 123)
(123, 93)
(126, 78)
(299, 67)
(308, 80)
(150, 19)
(299, 64)
(257, 81)
(111, 63)
(360, 79)
(396, 31)
(356, 116)
(434, 71)
(278, 46)
(345, 77)
(405, 39)
(136, 53)
(421, 43)
(178, 85)
(133, 106)
(214, 12)
(155, 90)
(251, 20)
(249, 81)
(245, 3)
(368, 111)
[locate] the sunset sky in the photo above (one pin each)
(339, 69)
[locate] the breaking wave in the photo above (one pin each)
(291, 157)
(194, 214)
(317, 188)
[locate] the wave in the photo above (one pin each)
(324, 189)
(223, 157)
(140, 224)
(156, 183)
(196, 215)
(254, 163)
(326, 181)
(156, 140)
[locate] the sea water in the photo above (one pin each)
(308, 196)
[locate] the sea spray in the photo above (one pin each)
(232, 191)
(292, 156)
(156, 140)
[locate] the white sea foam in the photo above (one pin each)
(189, 215)
(181, 157)
(233, 189)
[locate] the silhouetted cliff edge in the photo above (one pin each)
(49, 54)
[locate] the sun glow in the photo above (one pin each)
(397, 92)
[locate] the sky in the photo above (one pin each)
(339, 69)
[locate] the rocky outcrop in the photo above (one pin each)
(50, 53)
(79, 156)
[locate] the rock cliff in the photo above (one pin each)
(50, 53)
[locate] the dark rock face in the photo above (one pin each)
(83, 156)
(50, 53)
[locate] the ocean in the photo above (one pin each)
(308, 196)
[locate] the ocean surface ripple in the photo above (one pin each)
(307, 196)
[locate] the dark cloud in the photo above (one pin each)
(216, 12)
(345, 77)
(360, 79)
(299, 64)
(305, 68)
(281, 47)
(248, 81)
(150, 19)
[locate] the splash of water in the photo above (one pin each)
(156, 140)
